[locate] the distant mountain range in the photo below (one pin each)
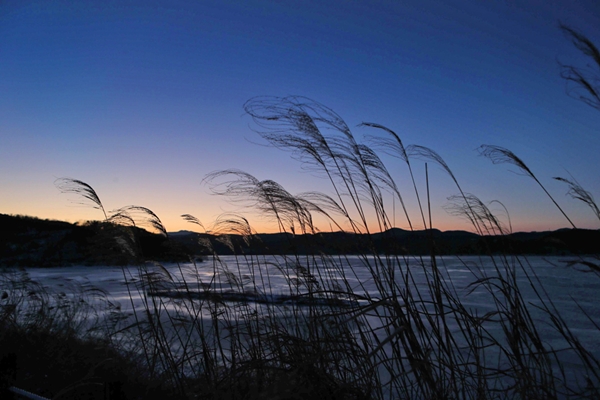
(29, 241)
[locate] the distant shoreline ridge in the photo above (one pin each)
(30, 241)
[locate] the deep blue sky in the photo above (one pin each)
(143, 99)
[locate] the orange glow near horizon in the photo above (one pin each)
(261, 225)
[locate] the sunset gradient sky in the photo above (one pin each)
(141, 99)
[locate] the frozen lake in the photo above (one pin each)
(265, 275)
(229, 288)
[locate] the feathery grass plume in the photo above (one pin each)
(325, 205)
(116, 223)
(233, 224)
(121, 217)
(143, 216)
(585, 83)
(204, 242)
(294, 113)
(80, 188)
(376, 177)
(510, 229)
(426, 153)
(294, 123)
(122, 223)
(193, 220)
(477, 212)
(267, 196)
(395, 148)
(576, 191)
(291, 124)
(500, 155)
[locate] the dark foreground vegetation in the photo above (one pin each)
(63, 365)
(398, 339)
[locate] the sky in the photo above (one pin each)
(143, 99)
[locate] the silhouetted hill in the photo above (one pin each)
(29, 241)
(399, 241)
